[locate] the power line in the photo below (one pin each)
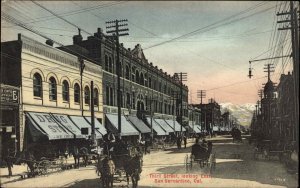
(208, 26)
(46, 18)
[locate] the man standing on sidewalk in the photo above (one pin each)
(184, 141)
(9, 162)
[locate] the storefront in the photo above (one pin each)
(9, 118)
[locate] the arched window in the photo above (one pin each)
(96, 97)
(76, 93)
(37, 85)
(137, 76)
(65, 90)
(127, 74)
(142, 79)
(52, 89)
(106, 63)
(87, 95)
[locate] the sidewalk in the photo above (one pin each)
(18, 172)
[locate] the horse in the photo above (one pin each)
(28, 158)
(80, 153)
(106, 167)
(133, 168)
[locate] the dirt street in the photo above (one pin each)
(235, 168)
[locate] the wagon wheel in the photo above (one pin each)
(34, 164)
(42, 167)
(186, 162)
(191, 161)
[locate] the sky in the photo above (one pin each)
(225, 36)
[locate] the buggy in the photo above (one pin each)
(204, 157)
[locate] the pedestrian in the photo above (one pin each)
(184, 141)
(146, 146)
(9, 162)
(178, 142)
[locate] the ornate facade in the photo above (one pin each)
(143, 85)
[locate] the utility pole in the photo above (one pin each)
(174, 97)
(92, 114)
(201, 94)
(292, 24)
(117, 32)
(82, 66)
(151, 115)
(183, 77)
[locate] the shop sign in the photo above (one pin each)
(9, 95)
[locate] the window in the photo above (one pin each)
(65, 91)
(76, 93)
(133, 100)
(52, 89)
(106, 63)
(37, 85)
(110, 68)
(86, 95)
(142, 79)
(96, 97)
(107, 95)
(127, 72)
(149, 82)
(137, 77)
(159, 87)
(128, 100)
(111, 95)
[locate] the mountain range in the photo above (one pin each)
(243, 112)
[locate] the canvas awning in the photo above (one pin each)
(164, 125)
(139, 124)
(44, 124)
(177, 125)
(65, 121)
(127, 128)
(156, 127)
(215, 128)
(98, 126)
(194, 127)
(82, 123)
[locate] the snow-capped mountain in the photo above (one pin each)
(243, 113)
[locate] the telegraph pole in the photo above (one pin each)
(183, 77)
(151, 114)
(292, 24)
(82, 66)
(117, 32)
(201, 94)
(92, 114)
(174, 97)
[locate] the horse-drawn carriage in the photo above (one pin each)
(236, 135)
(203, 155)
(40, 164)
(120, 162)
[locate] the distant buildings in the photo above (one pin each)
(275, 118)
(211, 118)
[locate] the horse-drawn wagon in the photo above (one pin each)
(120, 162)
